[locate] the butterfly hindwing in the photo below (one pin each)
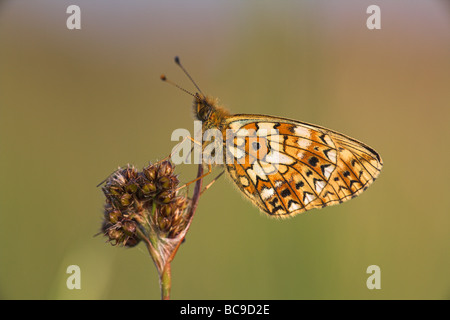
(287, 167)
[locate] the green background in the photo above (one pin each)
(75, 104)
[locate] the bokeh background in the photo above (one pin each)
(75, 104)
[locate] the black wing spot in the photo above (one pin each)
(313, 161)
(360, 174)
(285, 193)
(322, 137)
(353, 181)
(299, 185)
(275, 209)
(256, 146)
(327, 193)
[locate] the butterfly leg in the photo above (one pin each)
(192, 149)
(175, 149)
(212, 182)
(188, 155)
(198, 178)
(193, 140)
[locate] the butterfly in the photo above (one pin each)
(314, 167)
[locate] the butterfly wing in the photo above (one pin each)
(286, 167)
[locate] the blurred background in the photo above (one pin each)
(76, 104)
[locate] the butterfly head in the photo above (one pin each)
(206, 109)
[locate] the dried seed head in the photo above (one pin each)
(150, 172)
(126, 199)
(137, 202)
(129, 227)
(165, 197)
(115, 216)
(165, 169)
(164, 182)
(149, 188)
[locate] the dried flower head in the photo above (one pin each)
(142, 203)
(146, 206)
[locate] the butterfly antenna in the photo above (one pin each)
(164, 78)
(177, 61)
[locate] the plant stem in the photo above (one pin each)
(161, 258)
(166, 282)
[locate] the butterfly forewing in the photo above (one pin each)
(287, 167)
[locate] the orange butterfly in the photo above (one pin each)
(315, 167)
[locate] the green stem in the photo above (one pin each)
(166, 282)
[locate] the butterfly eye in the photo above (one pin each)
(204, 113)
